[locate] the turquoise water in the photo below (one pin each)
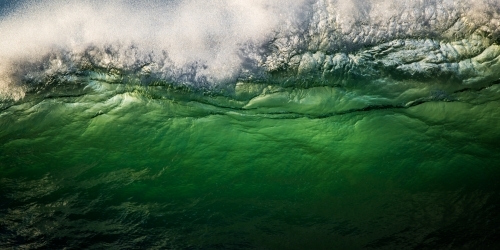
(232, 133)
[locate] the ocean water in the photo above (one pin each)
(313, 124)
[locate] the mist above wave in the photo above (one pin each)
(209, 44)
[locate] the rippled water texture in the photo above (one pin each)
(226, 125)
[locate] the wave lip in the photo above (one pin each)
(215, 45)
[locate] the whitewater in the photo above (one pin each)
(216, 44)
(223, 124)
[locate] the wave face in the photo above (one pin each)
(285, 124)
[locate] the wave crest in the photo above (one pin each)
(210, 45)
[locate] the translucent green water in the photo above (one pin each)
(285, 124)
(135, 170)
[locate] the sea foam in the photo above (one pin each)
(206, 45)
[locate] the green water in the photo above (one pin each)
(132, 170)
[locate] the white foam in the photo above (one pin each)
(199, 42)
(209, 34)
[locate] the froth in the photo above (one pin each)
(210, 43)
(173, 38)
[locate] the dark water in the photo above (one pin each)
(363, 148)
(160, 173)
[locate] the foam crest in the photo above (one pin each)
(208, 44)
(173, 38)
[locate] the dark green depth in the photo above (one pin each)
(139, 170)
